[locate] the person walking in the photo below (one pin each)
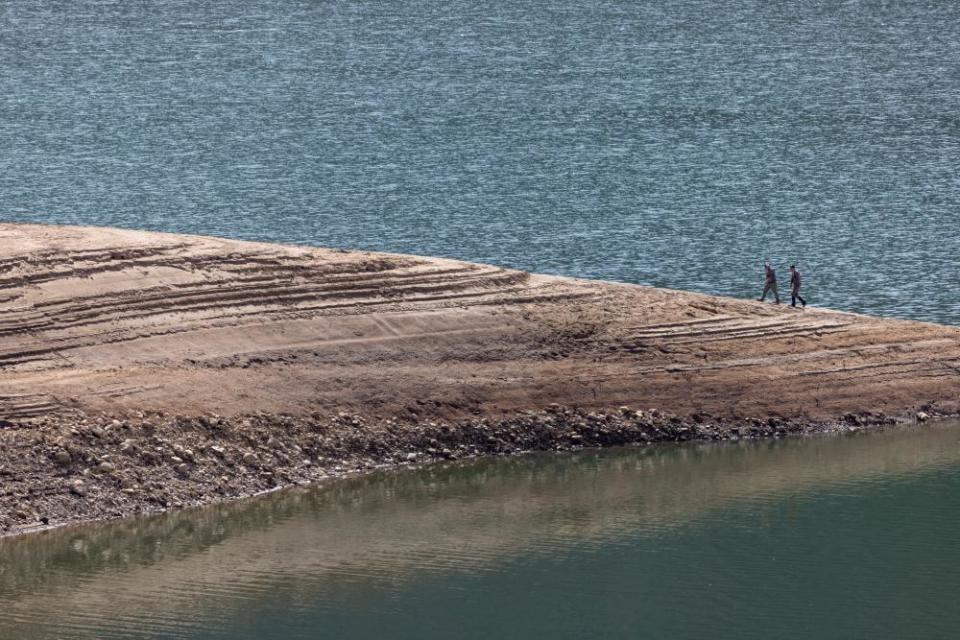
(770, 283)
(795, 287)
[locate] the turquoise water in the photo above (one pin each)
(674, 143)
(828, 538)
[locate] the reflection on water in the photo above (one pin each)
(672, 540)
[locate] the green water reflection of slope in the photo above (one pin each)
(854, 533)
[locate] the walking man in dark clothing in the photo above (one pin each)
(770, 283)
(795, 287)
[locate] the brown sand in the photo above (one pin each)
(111, 320)
(118, 346)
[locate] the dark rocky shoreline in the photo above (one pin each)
(74, 468)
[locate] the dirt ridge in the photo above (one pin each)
(157, 330)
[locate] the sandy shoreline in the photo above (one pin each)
(146, 371)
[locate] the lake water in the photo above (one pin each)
(673, 143)
(828, 538)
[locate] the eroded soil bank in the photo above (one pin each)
(144, 371)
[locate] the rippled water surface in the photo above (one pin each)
(841, 537)
(674, 143)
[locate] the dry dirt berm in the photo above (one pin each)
(98, 325)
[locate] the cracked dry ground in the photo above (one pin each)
(107, 320)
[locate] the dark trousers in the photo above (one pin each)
(770, 285)
(794, 296)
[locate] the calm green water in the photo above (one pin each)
(843, 537)
(675, 143)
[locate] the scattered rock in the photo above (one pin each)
(77, 487)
